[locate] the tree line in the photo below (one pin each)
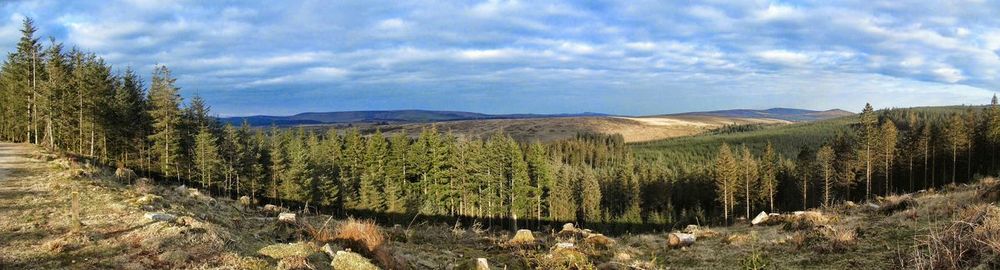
(75, 102)
(72, 101)
(886, 152)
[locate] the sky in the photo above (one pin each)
(637, 57)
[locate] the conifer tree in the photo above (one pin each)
(825, 158)
(542, 176)
(957, 138)
(206, 157)
(751, 176)
(372, 185)
(769, 174)
(166, 115)
(590, 196)
(562, 205)
(395, 185)
(805, 167)
(993, 130)
(868, 135)
(726, 175)
(888, 139)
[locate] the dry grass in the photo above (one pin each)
(989, 189)
(973, 240)
(365, 238)
(894, 203)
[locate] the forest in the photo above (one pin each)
(72, 101)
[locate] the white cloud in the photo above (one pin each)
(949, 74)
(783, 57)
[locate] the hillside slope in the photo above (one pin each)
(633, 129)
(787, 114)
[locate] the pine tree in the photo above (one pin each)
(372, 185)
(769, 174)
(825, 158)
(751, 176)
(590, 196)
(166, 115)
(562, 205)
(868, 134)
(993, 130)
(805, 167)
(888, 135)
(206, 157)
(542, 177)
(726, 175)
(957, 137)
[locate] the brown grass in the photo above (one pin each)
(804, 221)
(973, 240)
(989, 189)
(895, 203)
(365, 238)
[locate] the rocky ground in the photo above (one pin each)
(139, 225)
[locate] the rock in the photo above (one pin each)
(174, 257)
(691, 228)
(287, 218)
(676, 240)
(160, 217)
(761, 218)
(482, 264)
(568, 227)
(281, 251)
(349, 260)
(181, 189)
(522, 237)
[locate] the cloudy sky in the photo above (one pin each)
(621, 57)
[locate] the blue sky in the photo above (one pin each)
(623, 57)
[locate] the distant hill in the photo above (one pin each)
(787, 114)
(394, 116)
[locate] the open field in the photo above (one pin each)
(633, 129)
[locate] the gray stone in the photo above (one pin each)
(160, 217)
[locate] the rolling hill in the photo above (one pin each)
(393, 116)
(788, 114)
(540, 126)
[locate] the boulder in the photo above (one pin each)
(160, 217)
(287, 218)
(761, 218)
(482, 264)
(676, 240)
(872, 206)
(350, 260)
(569, 227)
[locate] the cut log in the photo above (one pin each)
(761, 218)
(676, 240)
